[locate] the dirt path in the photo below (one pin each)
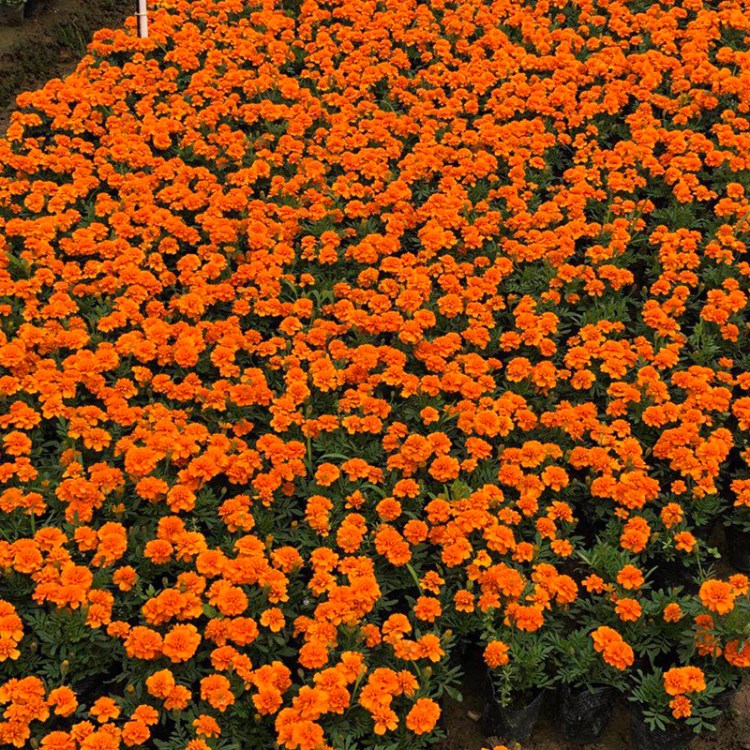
(50, 42)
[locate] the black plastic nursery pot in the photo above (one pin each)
(738, 546)
(513, 723)
(584, 713)
(644, 738)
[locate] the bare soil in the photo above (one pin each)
(50, 43)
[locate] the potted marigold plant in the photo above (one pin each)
(671, 706)
(591, 658)
(619, 622)
(685, 685)
(517, 653)
(720, 632)
(518, 678)
(588, 687)
(681, 554)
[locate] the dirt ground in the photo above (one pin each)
(50, 42)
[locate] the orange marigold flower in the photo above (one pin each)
(135, 732)
(216, 689)
(463, 601)
(680, 680)
(62, 700)
(613, 648)
(428, 608)
(672, 514)
(125, 577)
(161, 683)
(104, 709)
(326, 474)
(740, 583)
(684, 541)
(444, 468)
(594, 584)
(143, 643)
(636, 534)
(273, 619)
(718, 596)
(738, 654)
(206, 726)
(629, 577)
(181, 642)
(681, 707)
(423, 716)
(526, 618)
(628, 610)
(496, 654)
(672, 612)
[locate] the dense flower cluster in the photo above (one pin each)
(338, 333)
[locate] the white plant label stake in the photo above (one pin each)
(142, 19)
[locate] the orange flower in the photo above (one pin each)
(630, 577)
(613, 648)
(428, 608)
(206, 726)
(181, 642)
(143, 643)
(423, 716)
(684, 541)
(444, 468)
(717, 596)
(738, 654)
(124, 577)
(636, 534)
(216, 690)
(681, 707)
(326, 474)
(104, 709)
(135, 732)
(496, 654)
(672, 514)
(672, 612)
(628, 610)
(526, 618)
(463, 601)
(681, 680)
(594, 584)
(161, 684)
(273, 619)
(63, 700)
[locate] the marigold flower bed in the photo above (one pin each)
(339, 338)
